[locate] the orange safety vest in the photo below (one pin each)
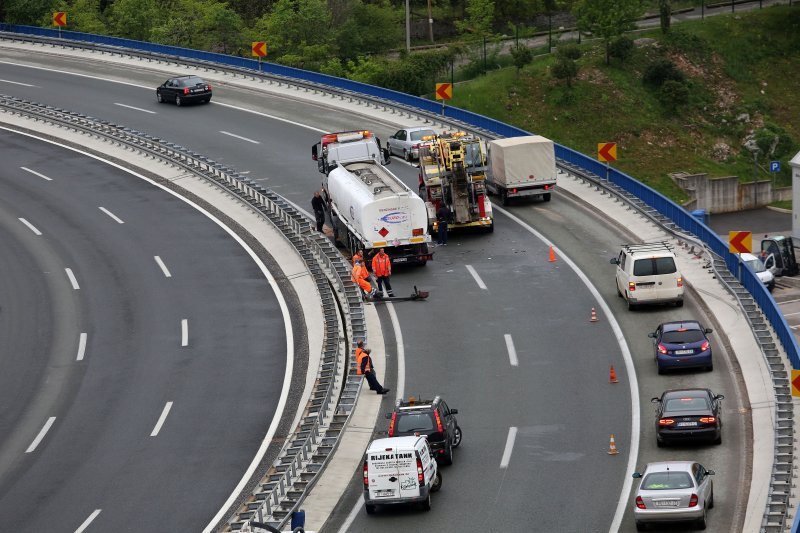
(359, 356)
(356, 275)
(382, 265)
(368, 366)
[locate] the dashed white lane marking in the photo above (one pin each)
(17, 83)
(512, 352)
(41, 434)
(136, 108)
(112, 215)
(161, 419)
(30, 226)
(475, 275)
(162, 266)
(81, 346)
(512, 436)
(72, 279)
(26, 169)
(239, 137)
(88, 521)
(185, 332)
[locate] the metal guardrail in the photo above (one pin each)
(430, 111)
(327, 267)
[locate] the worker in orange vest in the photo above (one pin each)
(382, 268)
(359, 355)
(360, 275)
(368, 369)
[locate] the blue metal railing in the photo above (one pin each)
(651, 197)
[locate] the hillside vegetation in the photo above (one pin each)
(741, 78)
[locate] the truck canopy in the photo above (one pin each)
(523, 159)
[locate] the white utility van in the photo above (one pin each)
(648, 274)
(400, 470)
(762, 270)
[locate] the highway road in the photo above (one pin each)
(559, 476)
(139, 340)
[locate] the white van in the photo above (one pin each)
(648, 274)
(762, 270)
(400, 470)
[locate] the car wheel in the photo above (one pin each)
(369, 508)
(159, 97)
(456, 436)
(437, 482)
(178, 101)
(679, 303)
(641, 526)
(710, 367)
(426, 505)
(659, 443)
(546, 197)
(710, 504)
(631, 306)
(660, 369)
(407, 155)
(701, 523)
(718, 440)
(447, 458)
(619, 292)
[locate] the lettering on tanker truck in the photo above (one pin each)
(395, 217)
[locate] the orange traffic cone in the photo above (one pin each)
(552, 255)
(594, 316)
(612, 377)
(612, 446)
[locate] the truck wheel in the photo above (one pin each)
(437, 482)
(504, 197)
(369, 508)
(426, 505)
(490, 228)
(546, 197)
(679, 303)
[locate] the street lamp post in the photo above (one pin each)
(408, 26)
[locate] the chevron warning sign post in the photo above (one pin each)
(740, 242)
(444, 92)
(259, 50)
(607, 152)
(60, 18)
(795, 383)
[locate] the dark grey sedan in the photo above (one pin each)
(688, 415)
(183, 90)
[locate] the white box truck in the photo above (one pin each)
(400, 470)
(522, 167)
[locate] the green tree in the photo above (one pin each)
(221, 28)
(29, 12)
(565, 69)
(368, 28)
(479, 19)
(665, 14)
(134, 19)
(607, 18)
(82, 15)
(293, 26)
(620, 47)
(521, 55)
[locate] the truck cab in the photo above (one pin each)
(345, 146)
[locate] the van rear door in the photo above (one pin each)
(392, 474)
(656, 278)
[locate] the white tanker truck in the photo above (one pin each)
(371, 207)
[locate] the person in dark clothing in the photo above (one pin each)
(443, 217)
(368, 369)
(318, 204)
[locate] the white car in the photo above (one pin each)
(405, 143)
(761, 270)
(673, 491)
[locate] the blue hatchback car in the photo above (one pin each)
(682, 344)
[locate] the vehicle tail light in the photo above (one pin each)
(391, 424)
(208, 87)
(665, 421)
(547, 187)
(639, 502)
(416, 232)
(185, 90)
(693, 501)
(420, 472)
(415, 146)
(708, 420)
(439, 426)
(366, 475)
(662, 349)
(704, 346)
(631, 286)
(514, 191)
(680, 282)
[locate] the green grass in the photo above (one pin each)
(744, 61)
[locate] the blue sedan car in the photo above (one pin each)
(682, 344)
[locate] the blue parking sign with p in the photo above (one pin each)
(774, 166)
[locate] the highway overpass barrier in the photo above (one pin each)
(649, 200)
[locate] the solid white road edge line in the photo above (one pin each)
(72, 279)
(41, 434)
(239, 137)
(185, 332)
(88, 521)
(399, 393)
(136, 108)
(475, 275)
(112, 215)
(163, 267)
(512, 436)
(17, 83)
(161, 419)
(287, 322)
(30, 226)
(26, 169)
(512, 352)
(633, 383)
(81, 346)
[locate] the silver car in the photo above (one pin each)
(405, 143)
(673, 491)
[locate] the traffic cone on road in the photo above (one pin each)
(612, 446)
(594, 316)
(612, 377)
(552, 255)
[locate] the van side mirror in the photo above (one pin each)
(314, 152)
(710, 472)
(636, 475)
(614, 261)
(453, 411)
(655, 400)
(719, 397)
(652, 335)
(388, 415)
